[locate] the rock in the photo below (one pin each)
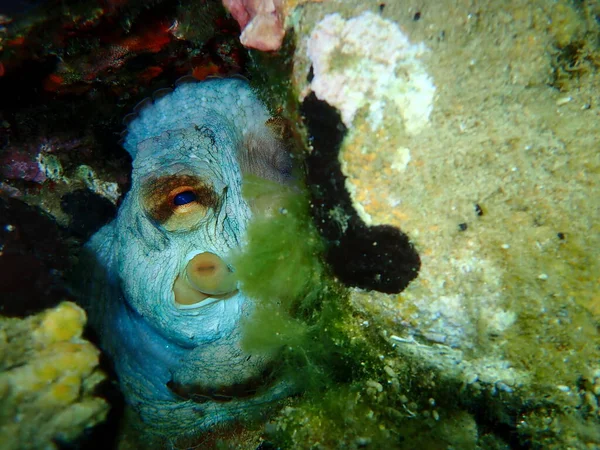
(489, 171)
(33, 259)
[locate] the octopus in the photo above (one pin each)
(161, 291)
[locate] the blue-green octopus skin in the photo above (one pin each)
(181, 367)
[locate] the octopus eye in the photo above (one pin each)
(178, 202)
(183, 198)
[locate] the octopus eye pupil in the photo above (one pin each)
(183, 198)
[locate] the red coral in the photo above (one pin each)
(149, 74)
(116, 50)
(16, 42)
(152, 39)
(53, 82)
(204, 71)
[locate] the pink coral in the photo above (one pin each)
(22, 162)
(261, 22)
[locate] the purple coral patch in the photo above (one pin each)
(22, 164)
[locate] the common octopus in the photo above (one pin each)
(162, 293)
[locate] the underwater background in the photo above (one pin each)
(432, 279)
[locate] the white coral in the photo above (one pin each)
(367, 60)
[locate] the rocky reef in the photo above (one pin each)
(465, 129)
(438, 277)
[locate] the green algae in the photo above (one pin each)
(299, 307)
(550, 287)
(270, 73)
(576, 51)
(339, 363)
(355, 390)
(284, 244)
(349, 399)
(197, 21)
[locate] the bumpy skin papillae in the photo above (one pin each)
(183, 369)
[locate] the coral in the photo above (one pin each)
(34, 161)
(367, 62)
(112, 53)
(262, 21)
(22, 165)
(48, 374)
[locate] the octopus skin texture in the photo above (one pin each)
(160, 290)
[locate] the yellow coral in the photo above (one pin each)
(62, 323)
(75, 357)
(48, 379)
(46, 371)
(66, 390)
